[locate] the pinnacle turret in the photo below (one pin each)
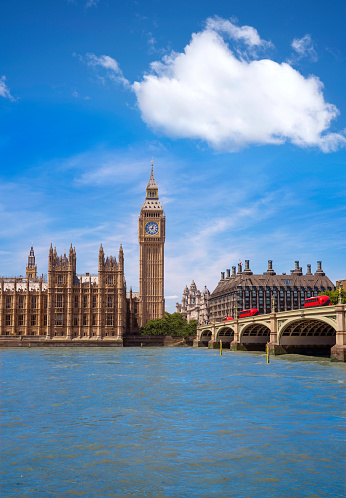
(31, 268)
(152, 183)
(152, 193)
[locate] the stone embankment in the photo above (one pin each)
(127, 341)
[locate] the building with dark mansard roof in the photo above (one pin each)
(244, 290)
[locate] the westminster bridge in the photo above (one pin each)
(318, 328)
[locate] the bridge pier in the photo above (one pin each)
(198, 344)
(276, 349)
(338, 352)
(213, 344)
(273, 345)
(236, 344)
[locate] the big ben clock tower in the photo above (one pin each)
(151, 236)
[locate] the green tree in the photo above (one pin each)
(334, 296)
(173, 324)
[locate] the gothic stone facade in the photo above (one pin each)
(244, 290)
(85, 307)
(194, 304)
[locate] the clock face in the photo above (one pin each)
(151, 228)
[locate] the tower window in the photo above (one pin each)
(21, 302)
(8, 320)
(33, 302)
(94, 301)
(109, 319)
(8, 301)
(20, 320)
(33, 320)
(59, 301)
(59, 319)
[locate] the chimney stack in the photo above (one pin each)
(222, 275)
(228, 273)
(247, 270)
(297, 270)
(270, 270)
(240, 270)
(319, 269)
(308, 272)
(233, 271)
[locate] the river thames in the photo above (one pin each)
(170, 422)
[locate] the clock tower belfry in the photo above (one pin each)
(151, 236)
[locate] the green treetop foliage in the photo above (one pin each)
(334, 296)
(173, 324)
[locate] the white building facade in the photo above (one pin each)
(194, 304)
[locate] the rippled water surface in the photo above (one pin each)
(170, 422)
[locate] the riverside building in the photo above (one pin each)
(243, 290)
(70, 306)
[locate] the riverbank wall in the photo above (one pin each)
(126, 341)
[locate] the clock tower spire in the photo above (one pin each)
(151, 236)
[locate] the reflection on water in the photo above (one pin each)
(170, 422)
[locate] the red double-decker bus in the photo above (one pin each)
(227, 319)
(317, 301)
(250, 312)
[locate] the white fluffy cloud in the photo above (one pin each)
(209, 93)
(4, 91)
(304, 47)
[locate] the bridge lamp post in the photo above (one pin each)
(273, 303)
(339, 298)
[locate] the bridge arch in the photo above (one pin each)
(205, 336)
(255, 335)
(225, 335)
(315, 334)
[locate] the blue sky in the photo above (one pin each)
(241, 104)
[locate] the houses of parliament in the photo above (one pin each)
(72, 307)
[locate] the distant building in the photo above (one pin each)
(341, 283)
(194, 304)
(244, 290)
